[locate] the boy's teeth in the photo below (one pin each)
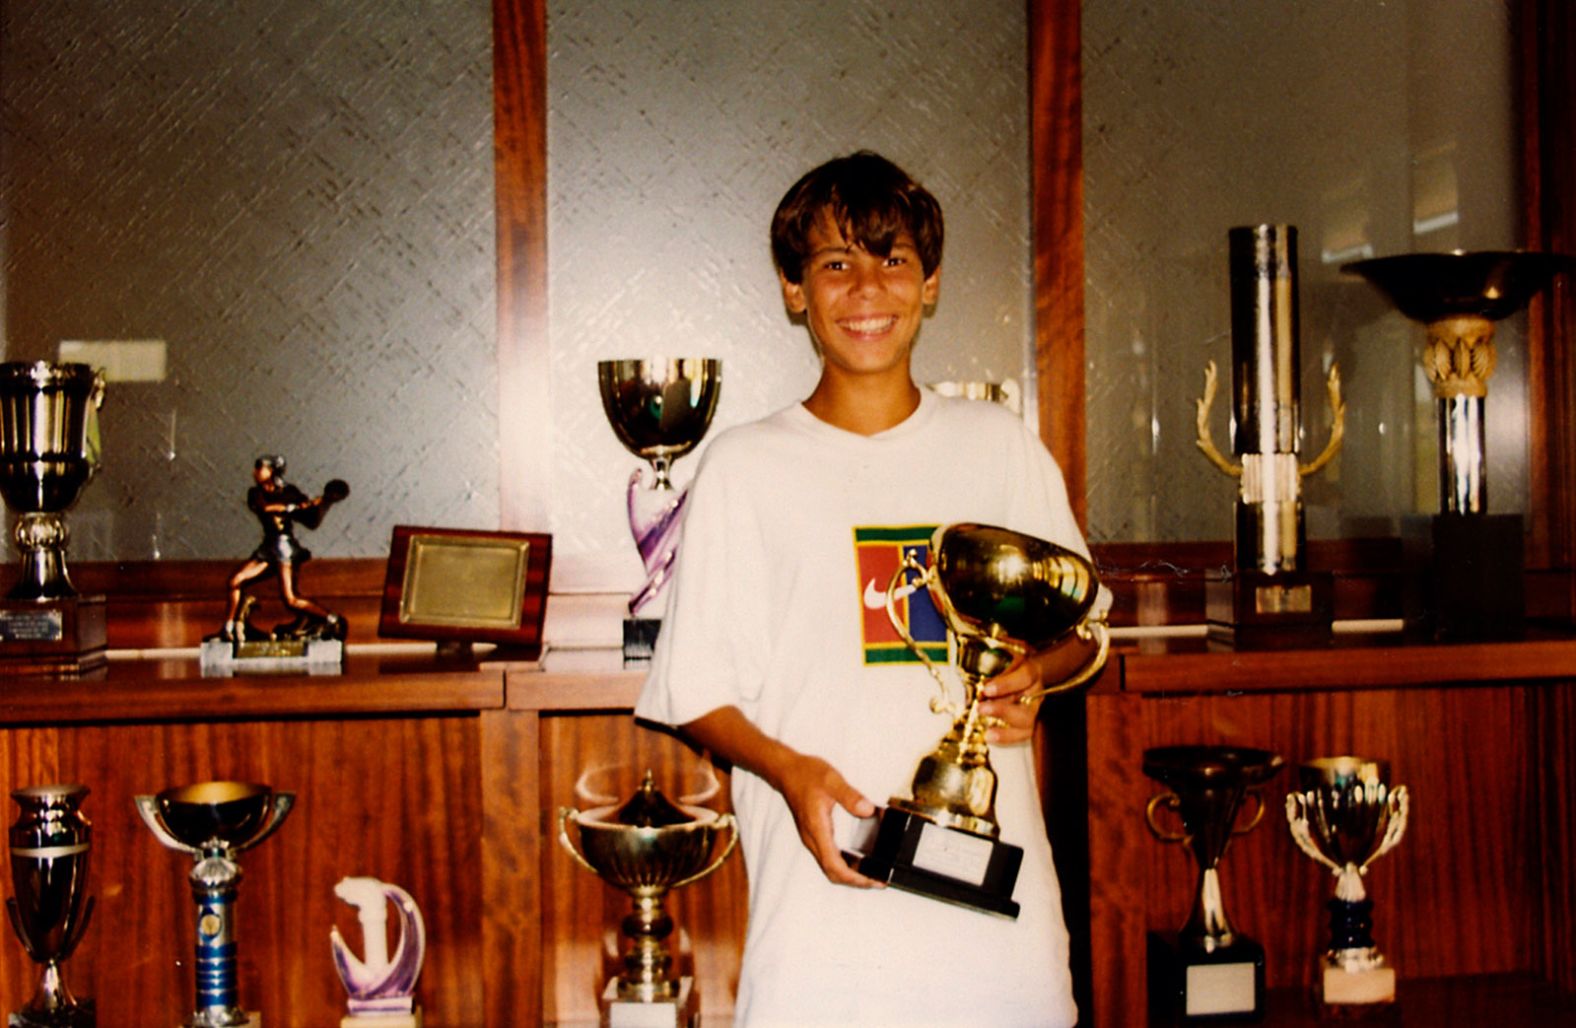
(869, 324)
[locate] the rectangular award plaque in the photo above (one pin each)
(461, 585)
(915, 854)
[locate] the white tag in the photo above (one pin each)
(1219, 989)
(955, 854)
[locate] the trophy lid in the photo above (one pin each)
(1492, 284)
(648, 808)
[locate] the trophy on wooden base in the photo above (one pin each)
(215, 822)
(50, 845)
(1271, 598)
(1345, 816)
(1209, 970)
(660, 410)
(648, 847)
(49, 450)
(1002, 595)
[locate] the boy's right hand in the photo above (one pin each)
(812, 788)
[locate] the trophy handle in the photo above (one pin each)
(282, 803)
(729, 822)
(1297, 821)
(148, 808)
(1398, 803)
(910, 564)
(1094, 628)
(1205, 440)
(1332, 388)
(1258, 812)
(93, 443)
(1171, 800)
(565, 815)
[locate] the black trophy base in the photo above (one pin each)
(913, 853)
(53, 637)
(1189, 985)
(79, 1015)
(1463, 576)
(1256, 610)
(640, 640)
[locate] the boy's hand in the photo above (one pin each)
(812, 788)
(1049, 666)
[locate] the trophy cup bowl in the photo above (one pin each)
(1487, 284)
(222, 816)
(647, 847)
(1002, 594)
(1344, 816)
(50, 844)
(1209, 968)
(47, 454)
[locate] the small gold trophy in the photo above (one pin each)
(1209, 969)
(660, 410)
(1003, 595)
(1345, 817)
(647, 847)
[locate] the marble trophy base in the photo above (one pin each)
(1256, 610)
(221, 659)
(56, 636)
(640, 640)
(1463, 576)
(913, 853)
(1356, 993)
(1191, 985)
(680, 1011)
(82, 1015)
(388, 1019)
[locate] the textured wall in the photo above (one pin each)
(296, 197)
(1376, 129)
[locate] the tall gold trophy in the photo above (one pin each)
(647, 847)
(1003, 595)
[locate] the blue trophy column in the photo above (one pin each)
(214, 880)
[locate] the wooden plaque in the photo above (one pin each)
(462, 585)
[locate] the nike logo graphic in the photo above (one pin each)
(875, 599)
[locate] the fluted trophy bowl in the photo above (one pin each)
(48, 452)
(50, 909)
(660, 409)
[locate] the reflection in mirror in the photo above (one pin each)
(1360, 124)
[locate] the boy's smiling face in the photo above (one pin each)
(863, 309)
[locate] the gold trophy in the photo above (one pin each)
(647, 847)
(1345, 817)
(214, 822)
(1209, 969)
(49, 450)
(1002, 595)
(660, 410)
(1465, 565)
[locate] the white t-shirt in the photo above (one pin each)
(777, 606)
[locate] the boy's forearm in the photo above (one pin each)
(731, 736)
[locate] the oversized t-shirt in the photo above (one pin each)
(777, 606)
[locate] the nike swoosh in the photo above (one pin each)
(875, 599)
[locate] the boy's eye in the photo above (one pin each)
(834, 264)
(896, 261)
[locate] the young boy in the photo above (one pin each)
(772, 658)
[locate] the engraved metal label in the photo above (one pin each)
(1219, 989)
(32, 626)
(464, 582)
(1282, 599)
(954, 854)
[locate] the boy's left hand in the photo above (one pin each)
(1002, 703)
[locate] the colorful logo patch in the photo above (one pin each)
(879, 553)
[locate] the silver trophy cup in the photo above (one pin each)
(50, 842)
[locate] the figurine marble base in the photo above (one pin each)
(682, 1011)
(301, 656)
(1189, 985)
(62, 636)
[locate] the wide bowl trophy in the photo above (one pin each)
(1270, 598)
(647, 847)
(214, 822)
(1346, 815)
(660, 410)
(50, 909)
(1464, 564)
(1002, 595)
(49, 450)
(1209, 970)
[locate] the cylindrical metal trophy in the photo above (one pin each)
(660, 410)
(1271, 598)
(1209, 970)
(50, 845)
(1346, 815)
(1465, 565)
(215, 822)
(1002, 595)
(48, 452)
(647, 847)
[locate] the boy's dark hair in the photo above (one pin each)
(871, 199)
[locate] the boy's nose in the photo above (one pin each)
(867, 279)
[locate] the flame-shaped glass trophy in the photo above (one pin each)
(49, 450)
(648, 847)
(50, 909)
(1465, 565)
(1345, 816)
(1003, 595)
(215, 822)
(381, 989)
(1209, 969)
(1271, 597)
(660, 410)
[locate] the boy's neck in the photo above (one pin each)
(863, 406)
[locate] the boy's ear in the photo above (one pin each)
(932, 287)
(793, 294)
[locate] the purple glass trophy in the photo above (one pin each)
(381, 989)
(660, 410)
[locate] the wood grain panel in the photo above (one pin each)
(1553, 789)
(374, 797)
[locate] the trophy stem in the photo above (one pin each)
(1207, 925)
(214, 880)
(41, 539)
(1459, 358)
(647, 975)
